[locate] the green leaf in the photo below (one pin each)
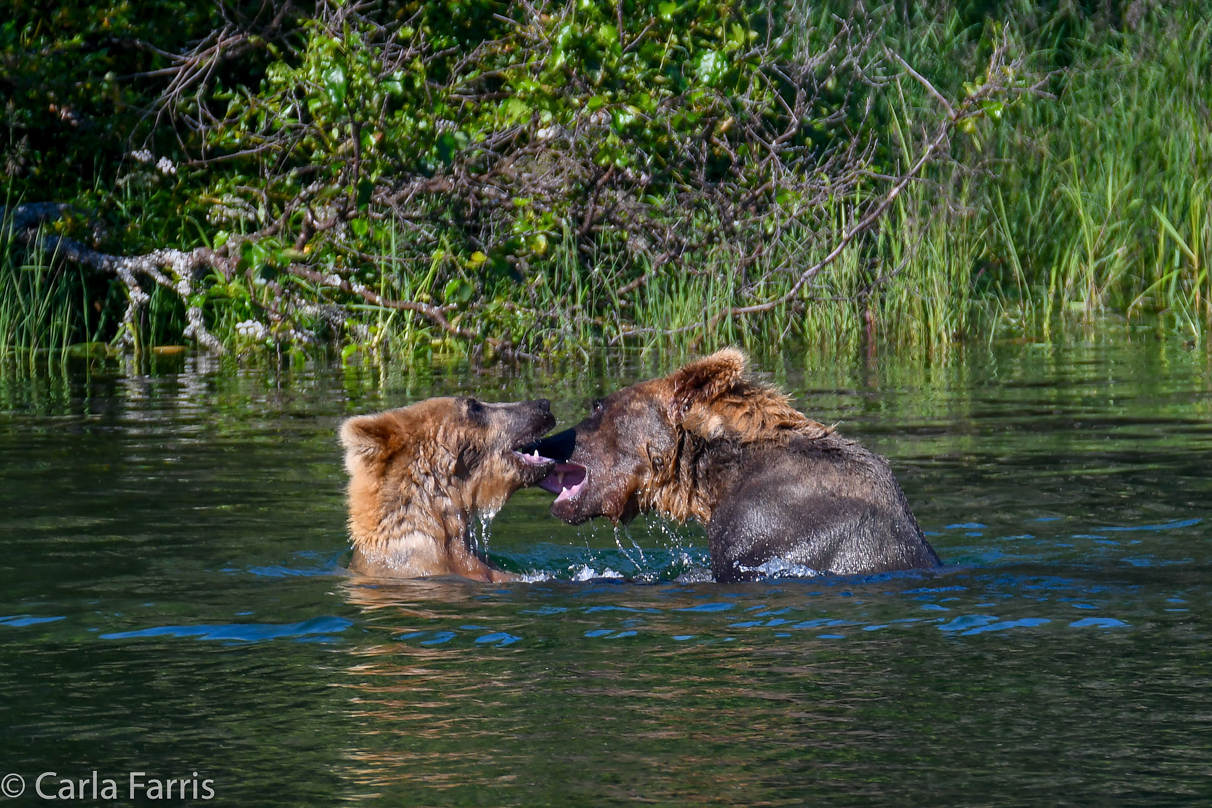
(516, 109)
(365, 189)
(710, 67)
(253, 254)
(447, 146)
(334, 82)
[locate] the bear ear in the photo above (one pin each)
(704, 380)
(370, 437)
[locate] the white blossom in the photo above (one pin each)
(252, 329)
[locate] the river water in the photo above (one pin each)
(171, 603)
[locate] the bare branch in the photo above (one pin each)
(922, 80)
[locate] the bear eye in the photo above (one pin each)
(598, 404)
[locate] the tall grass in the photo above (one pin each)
(1101, 201)
(41, 307)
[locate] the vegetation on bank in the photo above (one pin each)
(487, 177)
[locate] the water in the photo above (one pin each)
(169, 602)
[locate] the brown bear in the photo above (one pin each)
(419, 475)
(773, 487)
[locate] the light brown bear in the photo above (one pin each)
(419, 475)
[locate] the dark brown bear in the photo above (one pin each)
(419, 475)
(772, 486)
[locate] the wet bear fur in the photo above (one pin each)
(419, 475)
(772, 486)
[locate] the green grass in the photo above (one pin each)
(41, 308)
(1101, 203)
(1064, 212)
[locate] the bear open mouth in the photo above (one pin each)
(529, 456)
(566, 480)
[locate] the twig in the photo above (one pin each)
(922, 80)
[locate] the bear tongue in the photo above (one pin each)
(566, 480)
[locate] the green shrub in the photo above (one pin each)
(480, 175)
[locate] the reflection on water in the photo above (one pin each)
(171, 602)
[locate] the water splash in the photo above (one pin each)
(588, 573)
(480, 537)
(781, 568)
(643, 562)
(673, 539)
